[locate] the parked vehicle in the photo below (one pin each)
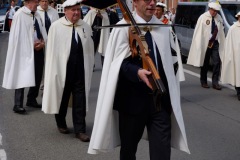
(3, 13)
(188, 13)
(119, 12)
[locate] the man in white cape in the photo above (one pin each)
(69, 65)
(208, 41)
(47, 13)
(96, 17)
(105, 135)
(231, 58)
(25, 56)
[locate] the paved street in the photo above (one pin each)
(211, 118)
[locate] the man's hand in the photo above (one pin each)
(38, 45)
(142, 74)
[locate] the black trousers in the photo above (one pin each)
(238, 90)
(33, 91)
(74, 84)
(212, 53)
(131, 128)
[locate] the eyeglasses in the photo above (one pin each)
(149, 1)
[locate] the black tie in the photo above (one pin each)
(213, 25)
(73, 37)
(36, 27)
(47, 21)
(149, 41)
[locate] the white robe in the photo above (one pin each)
(89, 18)
(201, 36)
(57, 55)
(231, 58)
(52, 14)
(19, 68)
(105, 134)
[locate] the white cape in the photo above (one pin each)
(89, 18)
(105, 134)
(231, 58)
(58, 51)
(19, 68)
(52, 14)
(201, 38)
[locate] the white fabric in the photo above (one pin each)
(69, 3)
(161, 4)
(89, 18)
(238, 14)
(201, 38)
(52, 14)
(58, 51)
(11, 12)
(231, 58)
(105, 135)
(19, 68)
(214, 5)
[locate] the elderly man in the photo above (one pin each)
(68, 70)
(231, 58)
(25, 59)
(208, 42)
(47, 13)
(96, 17)
(126, 103)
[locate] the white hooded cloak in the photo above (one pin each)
(52, 14)
(231, 58)
(57, 55)
(201, 36)
(19, 68)
(105, 134)
(89, 18)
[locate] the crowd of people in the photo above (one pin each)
(60, 53)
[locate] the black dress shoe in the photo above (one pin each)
(217, 87)
(63, 130)
(33, 104)
(205, 85)
(19, 109)
(83, 137)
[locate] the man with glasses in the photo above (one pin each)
(208, 42)
(125, 105)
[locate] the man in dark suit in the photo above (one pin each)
(126, 102)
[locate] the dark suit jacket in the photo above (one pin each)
(132, 95)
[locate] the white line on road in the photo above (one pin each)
(3, 155)
(209, 79)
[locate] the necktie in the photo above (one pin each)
(73, 37)
(47, 21)
(36, 27)
(213, 25)
(149, 41)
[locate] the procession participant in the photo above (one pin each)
(25, 56)
(208, 42)
(47, 13)
(96, 17)
(230, 66)
(125, 102)
(68, 70)
(11, 13)
(159, 11)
